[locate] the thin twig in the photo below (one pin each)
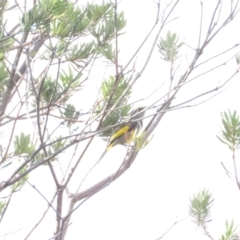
(41, 219)
(171, 227)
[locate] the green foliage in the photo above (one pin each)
(109, 84)
(5, 44)
(69, 111)
(64, 19)
(55, 50)
(68, 23)
(58, 143)
(96, 12)
(69, 81)
(2, 207)
(3, 76)
(22, 144)
(66, 85)
(3, 4)
(106, 28)
(231, 130)
(121, 109)
(230, 232)
(108, 52)
(19, 184)
(199, 209)
(44, 13)
(80, 52)
(49, 90)
(169, 47)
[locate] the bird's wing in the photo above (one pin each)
(120, 132)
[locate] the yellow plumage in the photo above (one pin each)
(116, 135)
(127, 132)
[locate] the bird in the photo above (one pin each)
(125, 134)
(127, 131)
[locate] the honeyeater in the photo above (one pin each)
(125, 134)
(127, 131)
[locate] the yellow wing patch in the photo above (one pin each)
(119, 133)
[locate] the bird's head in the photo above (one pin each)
(138, 113)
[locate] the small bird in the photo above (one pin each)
(127, 132)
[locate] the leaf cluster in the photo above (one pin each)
(231, 232)
(43, 14)
(4, 75)
(57, 143)
(19, 184)
(2, 207)
(94, 24)
(22, 145)
(53, 90)
(199, 208)
(231, 130)
(121, 108)
(169, 47)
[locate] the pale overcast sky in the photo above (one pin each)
(183, 157)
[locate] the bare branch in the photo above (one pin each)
(171, 227)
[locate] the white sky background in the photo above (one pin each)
(183, 157)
